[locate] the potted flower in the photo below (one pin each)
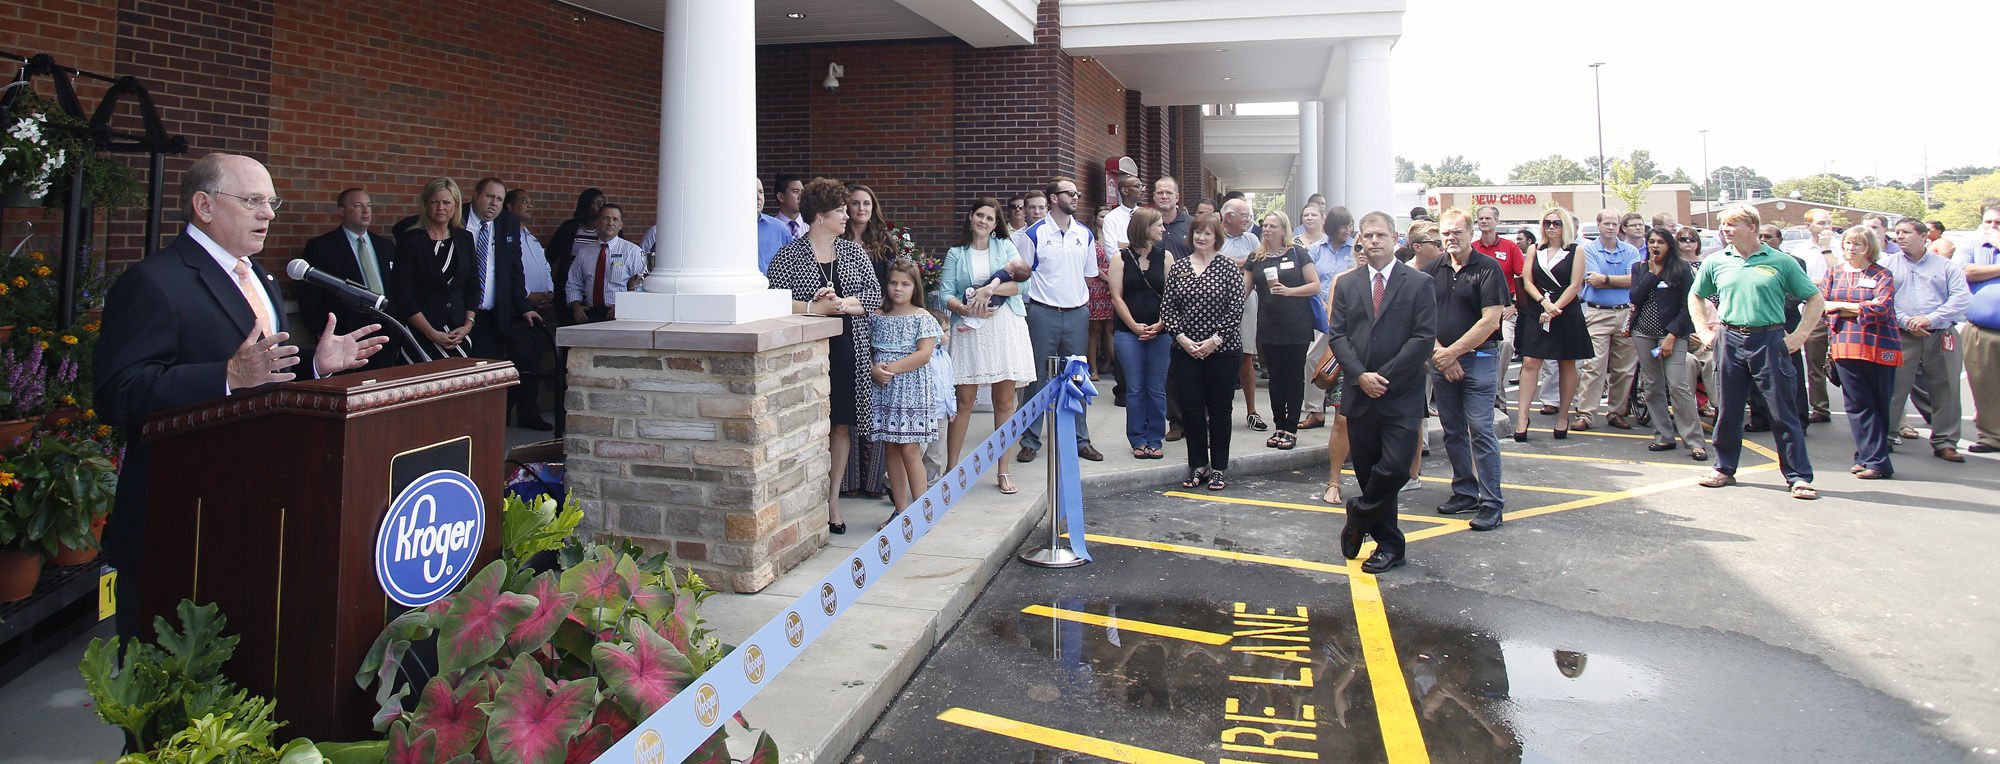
(24, 382)
(32, 150)
(68, 484)
(20, 560)
(27, 292)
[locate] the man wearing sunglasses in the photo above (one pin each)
(1062, 252)
(1981, 332)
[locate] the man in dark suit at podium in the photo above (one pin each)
(1382, 329)
(198, 320)
(357, 254)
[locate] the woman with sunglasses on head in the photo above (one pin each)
(1664, 336)
(1286, 283)
(1549, 326)
(1702, 375)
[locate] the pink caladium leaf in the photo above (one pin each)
(479, 620)
(603, 582)
(642, 674)
(653, 602)
(714, 750)
(766, 751)
(678, 628)
(528, 724)
(610, 714)
(591, 744)
(404, 748)
(552, 605)
(454, 714)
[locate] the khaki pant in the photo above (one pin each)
(1606, 348)
(1819, 367)
(1926, 360)
(1982, 366)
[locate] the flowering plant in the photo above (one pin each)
(30, 154)
(27, 289)
(55, 486)
(25, 394)
(902, 244)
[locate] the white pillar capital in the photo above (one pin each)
(705, 264)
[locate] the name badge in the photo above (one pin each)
(1867, 283)
(1286, 265)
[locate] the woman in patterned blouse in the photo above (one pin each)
(1203, 312)
(1865, 346)
(831, 276)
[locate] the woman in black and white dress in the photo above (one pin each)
(434, 286)
(1549, 326)
(1203, 312)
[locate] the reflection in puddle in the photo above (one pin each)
(1574, 676)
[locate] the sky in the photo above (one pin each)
(1788, 88)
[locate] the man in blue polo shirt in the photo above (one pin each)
(1981, 331)
(772, 233)
(1607, 302)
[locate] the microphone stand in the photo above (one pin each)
(409, 341)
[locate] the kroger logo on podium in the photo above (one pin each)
(428, 539)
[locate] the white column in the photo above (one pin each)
(1333, 160)
(1371, 166)
(1309, 177)
(705, 266)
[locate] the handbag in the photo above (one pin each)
(1326, 373)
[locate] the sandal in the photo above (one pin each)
(1717, 480)
(1332, 494)
(1215, 481)
(1700, 455)
(1804, 490)
(1287, 441)
(1274, 440)
(1195, 477)
(1153, 452)
(1257, 422)
(1007, 484)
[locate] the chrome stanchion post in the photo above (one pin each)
(1056, 555)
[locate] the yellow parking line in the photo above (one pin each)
(1283, 562)
(1601, 460)
(1401, 738)
(1644, 490)
(1127, 624)
(1055, 738)
(1327, 508)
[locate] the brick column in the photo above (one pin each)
(705, 440)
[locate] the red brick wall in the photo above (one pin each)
(381, 95)
(1100, 103)
(889, 126)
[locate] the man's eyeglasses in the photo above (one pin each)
(1688, 240)
(253, 202)
(1017, 206)
(1432, 242)
(1770, 236)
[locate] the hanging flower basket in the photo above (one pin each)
(19, 197)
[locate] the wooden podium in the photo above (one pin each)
(267, 503)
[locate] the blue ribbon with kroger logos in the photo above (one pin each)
(680, 726)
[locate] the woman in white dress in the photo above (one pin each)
(989, 344)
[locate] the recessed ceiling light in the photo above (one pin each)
(795, 15)
(1222, 50)
(1226, 79)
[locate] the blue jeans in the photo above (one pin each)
(1757, 364)
(1145, 365)
(1867, 389)
(1465, 408)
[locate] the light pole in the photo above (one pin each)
(1707, 183)
(1596, 84)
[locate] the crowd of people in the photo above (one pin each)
(1369, 331)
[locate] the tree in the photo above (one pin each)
(1960, 200)
(1263, 204)
(1643, 166)
(1406, 170)
(1739, 181)
(1453, 171)
(1552, 171)
(1909, 204)
(1628, 185)
(1824, 189)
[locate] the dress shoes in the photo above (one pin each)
(1025, 455)
(1350, 543)
(1818, 417)
(1458, 505)
(1487, 519)
(1089, 452)
(529, 420)
(1757, 425)
(1619, 421)
(1949, 454)
(1981, 448)
(1381, 561)
(1173, 433)
(1667, 446)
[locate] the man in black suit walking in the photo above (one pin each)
(504, 323)
(194, 321)
(357, 254)
(1382, 329)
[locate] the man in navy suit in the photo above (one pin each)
(1382, 330)
(194, 321)
(504, 322)
(357, 254)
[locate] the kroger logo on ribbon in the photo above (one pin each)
(652, 749)
(428, 539)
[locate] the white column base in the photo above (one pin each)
(704, 308)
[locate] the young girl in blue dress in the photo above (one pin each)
(906, 397)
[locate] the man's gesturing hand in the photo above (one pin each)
(261, 361)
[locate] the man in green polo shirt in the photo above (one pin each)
(1753, 281)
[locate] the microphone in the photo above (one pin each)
(348, 291)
